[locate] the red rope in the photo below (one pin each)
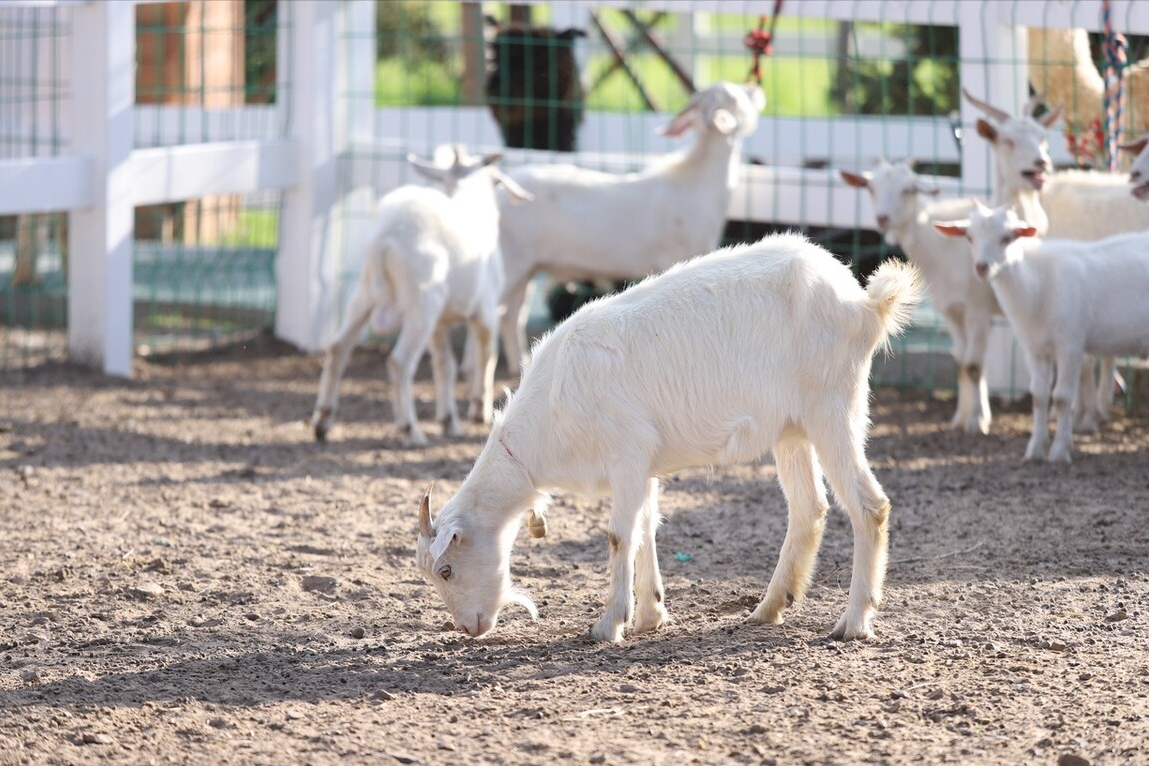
(761, 42)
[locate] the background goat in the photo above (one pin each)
(433, 255)
(904, 212)
(1065, 299)
(587, 224)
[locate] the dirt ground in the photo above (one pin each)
(188, 578)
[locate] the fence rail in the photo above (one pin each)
(97, 156)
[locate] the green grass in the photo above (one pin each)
(257, 229)
(793, 87)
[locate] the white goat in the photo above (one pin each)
(586, 224)
(1064, 299)
(1139, 169)
(905, 217)
(1081, 205)
(717, 360)
(432, 259)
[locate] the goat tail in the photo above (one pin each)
(894, 289)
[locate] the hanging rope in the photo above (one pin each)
(1115, 63)
(761, 42)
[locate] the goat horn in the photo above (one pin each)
(425, 513)
(992, 111)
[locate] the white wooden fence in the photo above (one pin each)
(330, 151)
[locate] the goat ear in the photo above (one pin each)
(441, 542)
(757, 96)
(517, 194)
(1025, 230)
(427, 170)
(859, 180)
(681, 122)
(951, 228)
(986, 130)
(1134, 147)
(1051, 117)
(724, 122)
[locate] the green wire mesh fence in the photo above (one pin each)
(562, 81)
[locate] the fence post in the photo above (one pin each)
(100, 237)
(319, 77)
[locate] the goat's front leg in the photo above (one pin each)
(1040, 384)
(1069, 374)
(1085, 400)
(481, 404)
(976, 341)
(623, 537)
(801, 480)
(649, 592)
(516, 307)
(443, 371)
(964, 392)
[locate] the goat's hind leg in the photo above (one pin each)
(801, 480)
(858, 491)
(418, 328)
(651, 611)
(443, 367)
(335, 362)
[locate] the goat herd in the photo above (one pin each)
(724, 357)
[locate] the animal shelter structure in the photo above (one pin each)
(175, 176)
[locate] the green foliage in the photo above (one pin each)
(924, 81)
(259, 47)
(426, 83)
(410, 30)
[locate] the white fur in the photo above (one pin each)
(586, 224)
(905, 214)
(718, 360)
(1082, 205)
(1064, 299)
(431, 261)
(1139, 168)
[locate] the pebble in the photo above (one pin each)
(358, 632)
(404, 758)
(93, 738)
(1069, 759)
(319, 583)
(1118, 616)
(148, 590)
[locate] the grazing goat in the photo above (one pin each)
(1082, 205)
(533, 87)
(431, 260)
(905, 217)
(718, 360)
(1064, 299)
(587, 224)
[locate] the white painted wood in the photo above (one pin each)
(171, 174)
(47, 184)
(100, 235)
(324, 77)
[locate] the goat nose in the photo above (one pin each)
(883, 221)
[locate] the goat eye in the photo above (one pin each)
(1006, 239)
(445, 572)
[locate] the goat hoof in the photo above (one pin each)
(321, 423)
(844, 631)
